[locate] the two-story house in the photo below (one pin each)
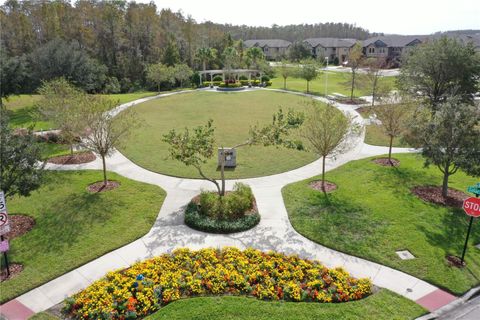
(274, 49)
(333, 48)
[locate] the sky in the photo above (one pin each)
(400, 17)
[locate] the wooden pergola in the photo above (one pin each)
(236, 72)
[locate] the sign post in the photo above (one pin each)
(4, 228)
(471, 206)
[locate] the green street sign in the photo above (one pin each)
(474, 189)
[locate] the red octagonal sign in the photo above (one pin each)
(471, 206)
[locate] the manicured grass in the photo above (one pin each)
(43, 316)
(232, 113)
(382, 305)
(74, 226)
(23, 112)
(373, 213)
(53, 149)
(336, 84)
(375, 135)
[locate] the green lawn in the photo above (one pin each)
(373, 213)
(232, 113)
(374, 134)
(382, 305)
(336, 84)
(74, 226)
(23, 112)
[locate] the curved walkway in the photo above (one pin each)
(274, 231)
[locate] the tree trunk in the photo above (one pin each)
(308, 86)
(373, 95)
(446, 175)
(158, 87)
(104, 171)
(71, 149)
(323, 174)
(390, 150)
(285, 83)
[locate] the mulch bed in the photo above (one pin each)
(317, 185)
(14, 268)
(77, 158)
(100, 187)
(455, 261)
(433, 194)
(19, 225)
(386, 163)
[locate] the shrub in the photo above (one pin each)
(217, 78)
(112, 85)
(265, 78)
(242, 77)
(230, 85)
(146, 286)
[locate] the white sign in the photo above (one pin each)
(4, 223)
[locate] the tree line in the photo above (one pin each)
(106, 46)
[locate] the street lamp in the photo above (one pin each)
(326, 77)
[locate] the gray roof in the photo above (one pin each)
(330, 42)
(271, 43)
(474, 39)
(394, 40)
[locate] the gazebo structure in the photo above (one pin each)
(236, 72)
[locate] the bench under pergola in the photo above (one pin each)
(236, 72)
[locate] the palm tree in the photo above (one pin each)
(205, 55)
(255, 54)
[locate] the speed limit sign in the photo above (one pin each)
(4, 223)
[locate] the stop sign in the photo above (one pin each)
(471, 206)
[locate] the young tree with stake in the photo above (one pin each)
(308, 71)
(106, 129)
(327, 130)
(392, 114)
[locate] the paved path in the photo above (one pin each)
(274, 231)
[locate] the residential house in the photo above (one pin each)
(274, 49)
(335, 49)
(390, 47)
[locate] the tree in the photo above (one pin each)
(255, 54)
(449, 137)
(298, 52)
(58, 58)
(159, 73)
(308, 72)
(372, 78)
(182, 72)
(327, 130)
(230, 60)
(285, 71)
(106, 129)
(171, 55)
(20, 172)
(13, 75)
(438, 68)
(354, 61)
(204, 55)
(195, 148)
(392, 115)
(60, 105)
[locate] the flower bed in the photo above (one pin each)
(147, 286)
